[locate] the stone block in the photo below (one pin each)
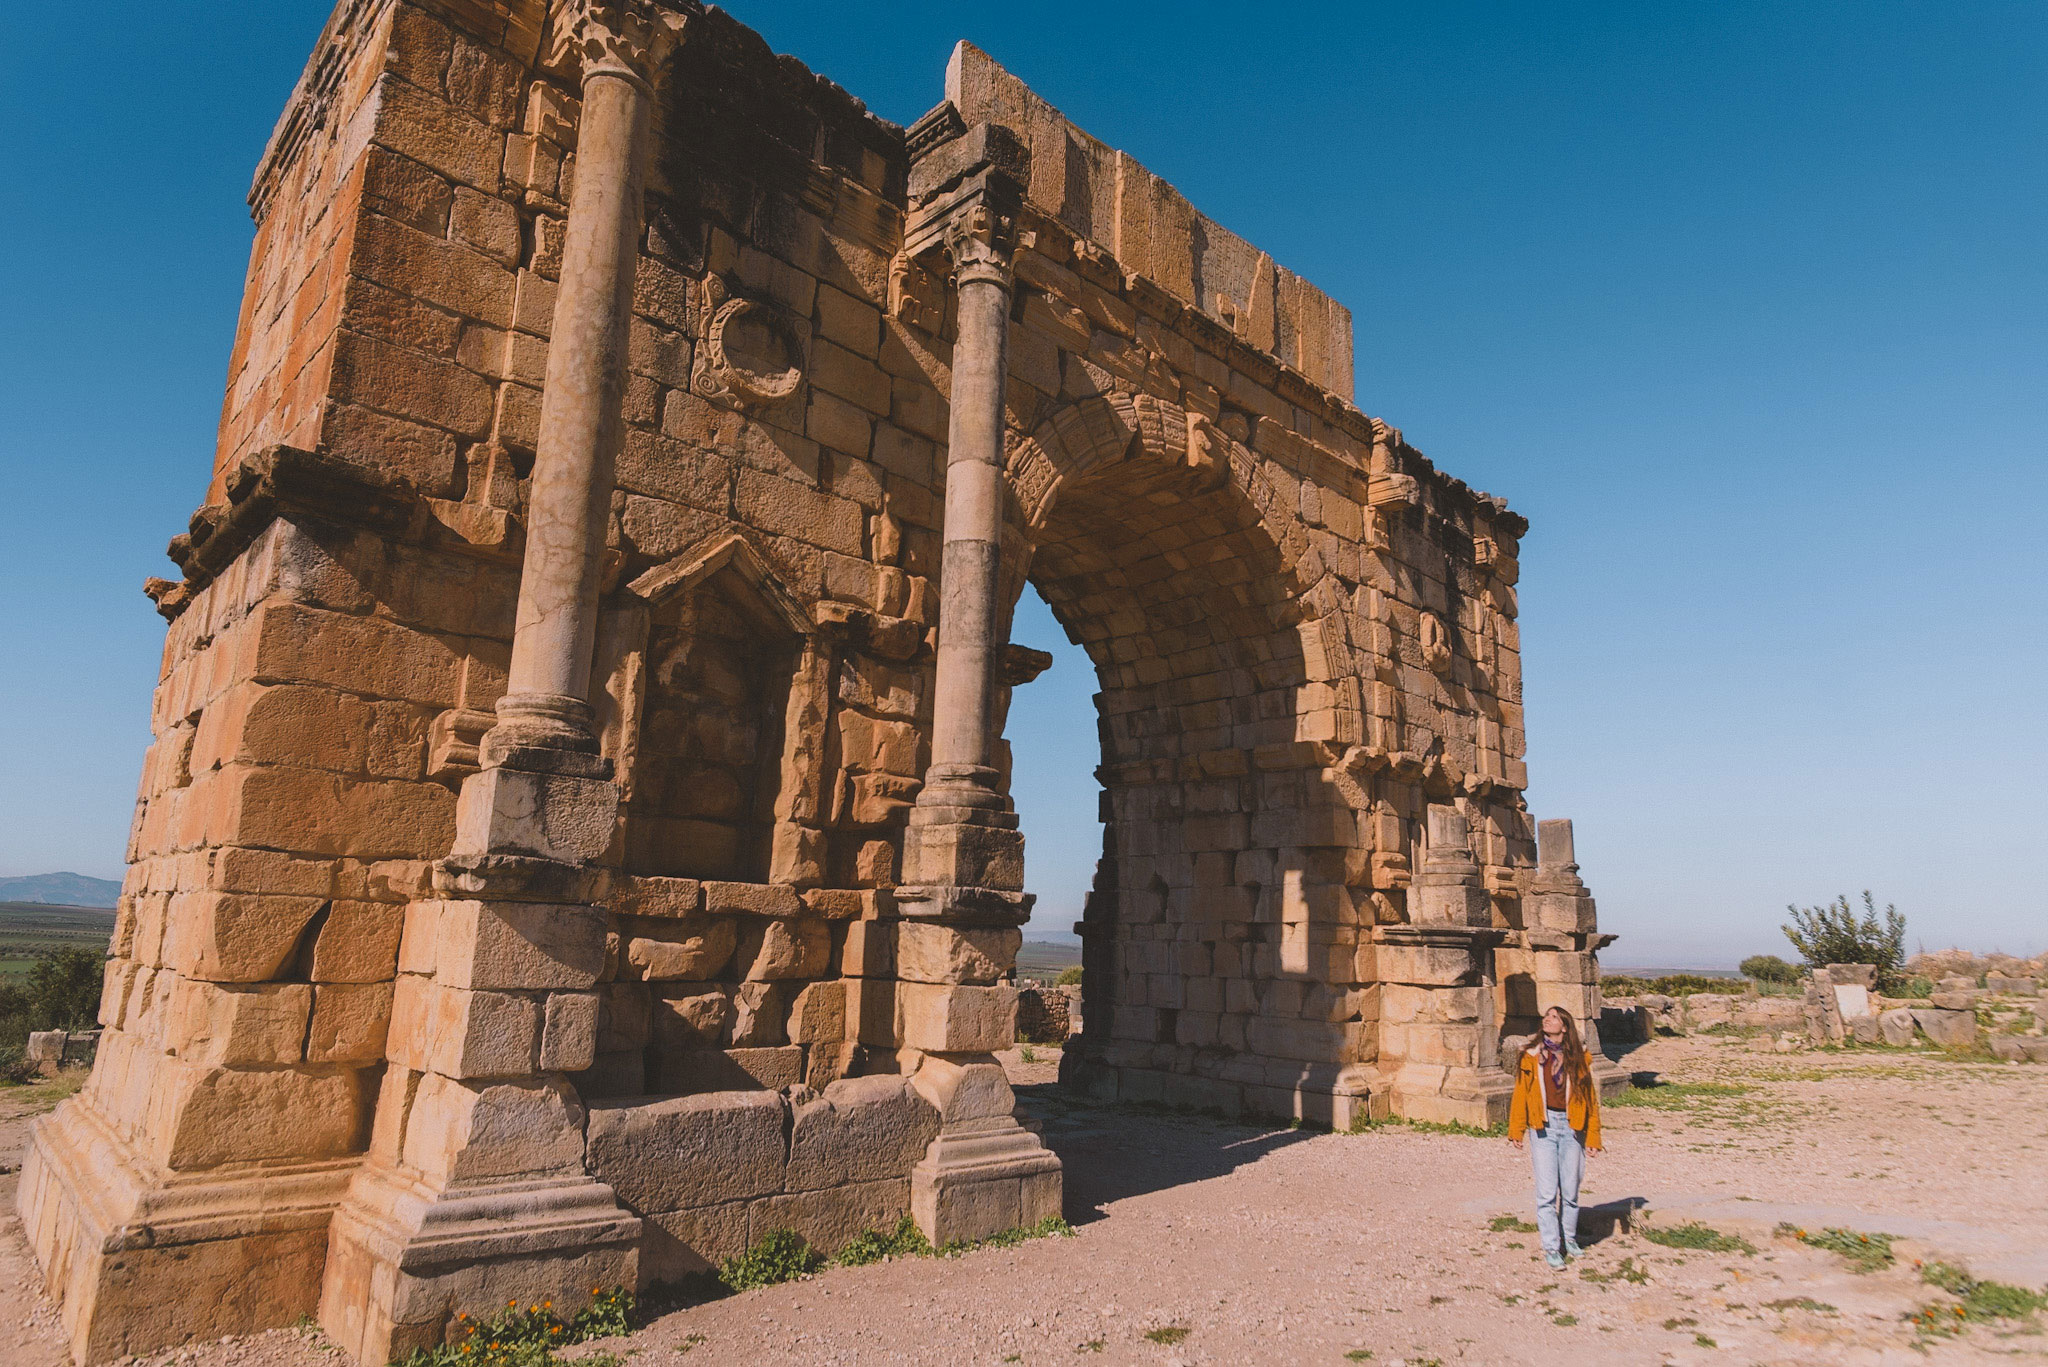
(930, 952)
(784, 949)
(759, 1015)
(831, 1218)
(692, 948)
(203, 1117)
(1949, 1029)
(519, 945)
(476, 1131)
(625, 1017)
(1896, 1027)
(235, 937)
(357, 943)
(949, 854)
(689, 1151)
(956, 1018)
(680, 1244)
(752, 899)
(349, 1023)
(859, 1130)
(568, 1036)
(219, 1025)
(696, 1020)
(546, 816)
(870, 949)
(483, 1034)
(670, 898)
(818, 1015)
(1427, 965)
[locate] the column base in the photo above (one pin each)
(404, 1257)
(1444, 1095)
(981, 1178)
(141, 1258)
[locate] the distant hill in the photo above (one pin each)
(61, 890)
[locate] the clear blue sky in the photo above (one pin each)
(1744, 305)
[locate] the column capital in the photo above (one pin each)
(982, 245)
(628, 38)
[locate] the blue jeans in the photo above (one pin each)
(1559, 1157)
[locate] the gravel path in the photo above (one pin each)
(1284, 1246)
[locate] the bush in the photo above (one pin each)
(1769, 968)
(64, 989)
(527, 1338)
(1832, 934)
(870, 1246)
(780, 1256)
(1069, 977)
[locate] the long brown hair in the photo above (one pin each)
(1578, 1068)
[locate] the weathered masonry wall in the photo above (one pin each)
(576, 836)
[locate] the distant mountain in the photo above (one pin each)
(61, 890)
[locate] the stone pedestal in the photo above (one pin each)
(475, 1187)
(1439, 1031)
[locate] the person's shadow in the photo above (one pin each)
(1609, 1218)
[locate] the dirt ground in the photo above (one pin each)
(1277, 1246)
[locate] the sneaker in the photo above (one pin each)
(1554, 1259)
(1572, 1249)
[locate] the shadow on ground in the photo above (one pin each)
(1110, 1152)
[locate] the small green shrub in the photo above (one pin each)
(781, 1255)
(1171, 1334)
(1704, 1238)
(1069, 977)
(1052, 1226)
(1865, 1252)
(906, 1240)
(1769, 968)
(1980, 1300)
(528, 1338)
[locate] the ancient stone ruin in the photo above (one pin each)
(576, 837)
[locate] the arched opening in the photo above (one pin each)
(1225, 965)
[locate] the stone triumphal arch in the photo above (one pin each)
(576, 836)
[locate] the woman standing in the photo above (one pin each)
(1555, 1096)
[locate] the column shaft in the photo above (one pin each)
(569, 498)
(970, 561)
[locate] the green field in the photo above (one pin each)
(31, 930)
(1042, 959)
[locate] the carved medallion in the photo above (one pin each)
(750, 355)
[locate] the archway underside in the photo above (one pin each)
(1225, 963)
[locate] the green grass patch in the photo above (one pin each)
(1510, 1224)
(780, 1255)
(528, 1338)
(873, 1246)
(1864, 1252)
(1363, 1125)
(1801, 1303)
(1051, 1227)
(1627, 1271)
(1703, 1238)
(1677, 1096)
(1172, 1333)
(1978, 1302)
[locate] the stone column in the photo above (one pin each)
(963, 898)
(618, 44)
(476, 1186)
(962, 832)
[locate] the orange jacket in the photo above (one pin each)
(1525, 1112)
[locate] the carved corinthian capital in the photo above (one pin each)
(628, 38)
(982, 244)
